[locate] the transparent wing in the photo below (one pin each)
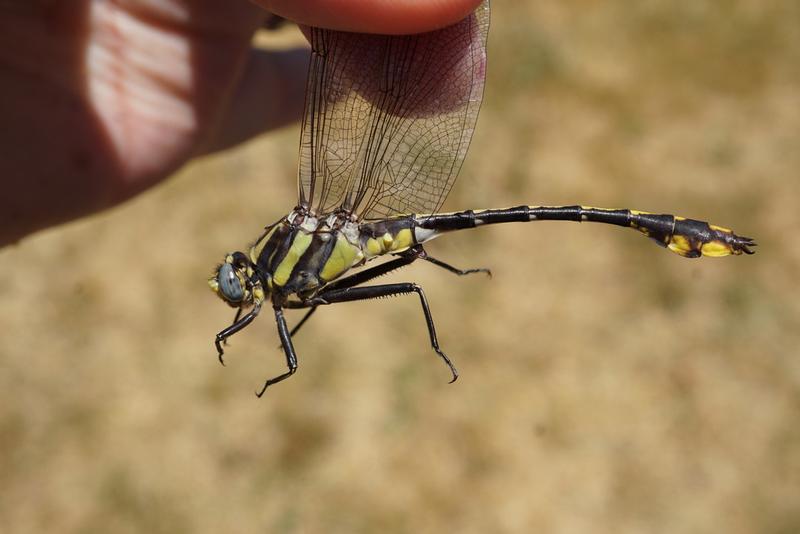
(388, 119)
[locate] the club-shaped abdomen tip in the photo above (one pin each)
(692, 239)
(725, 243)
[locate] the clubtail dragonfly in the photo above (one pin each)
(386, 127)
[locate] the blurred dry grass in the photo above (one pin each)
(607, 386)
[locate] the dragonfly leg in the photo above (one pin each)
(454, 270)
(288, 350)
(235, 320)
(305, 318)
(350, 281)
(237, 325)
(373, 272)
(417, 252)
(349, 294)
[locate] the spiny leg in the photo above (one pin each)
(422, 254)
(373, 272)
(387, 290)
(235, 327)
(288, 350)
(350, 281)
(404, 258)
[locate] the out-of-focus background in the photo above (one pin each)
(607, 385)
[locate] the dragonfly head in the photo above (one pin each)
(236, 283)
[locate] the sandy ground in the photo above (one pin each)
(607, 386)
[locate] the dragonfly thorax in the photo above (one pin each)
(297, 255)
(304, 251)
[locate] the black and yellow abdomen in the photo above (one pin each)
(689, 238)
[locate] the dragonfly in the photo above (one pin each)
(386, 128)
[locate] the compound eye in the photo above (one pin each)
(229, 284)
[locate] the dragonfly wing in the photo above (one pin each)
(388, 119)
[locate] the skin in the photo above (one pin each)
(100, 100)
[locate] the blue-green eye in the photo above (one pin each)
(229, 285)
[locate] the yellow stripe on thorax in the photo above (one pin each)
(258, 247)
(343, 256)
(299, 245)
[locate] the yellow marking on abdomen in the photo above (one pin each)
(716, 249)
(680, 245)
(299, 245)
(373, 247)
(402, 240)
(389, 243)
